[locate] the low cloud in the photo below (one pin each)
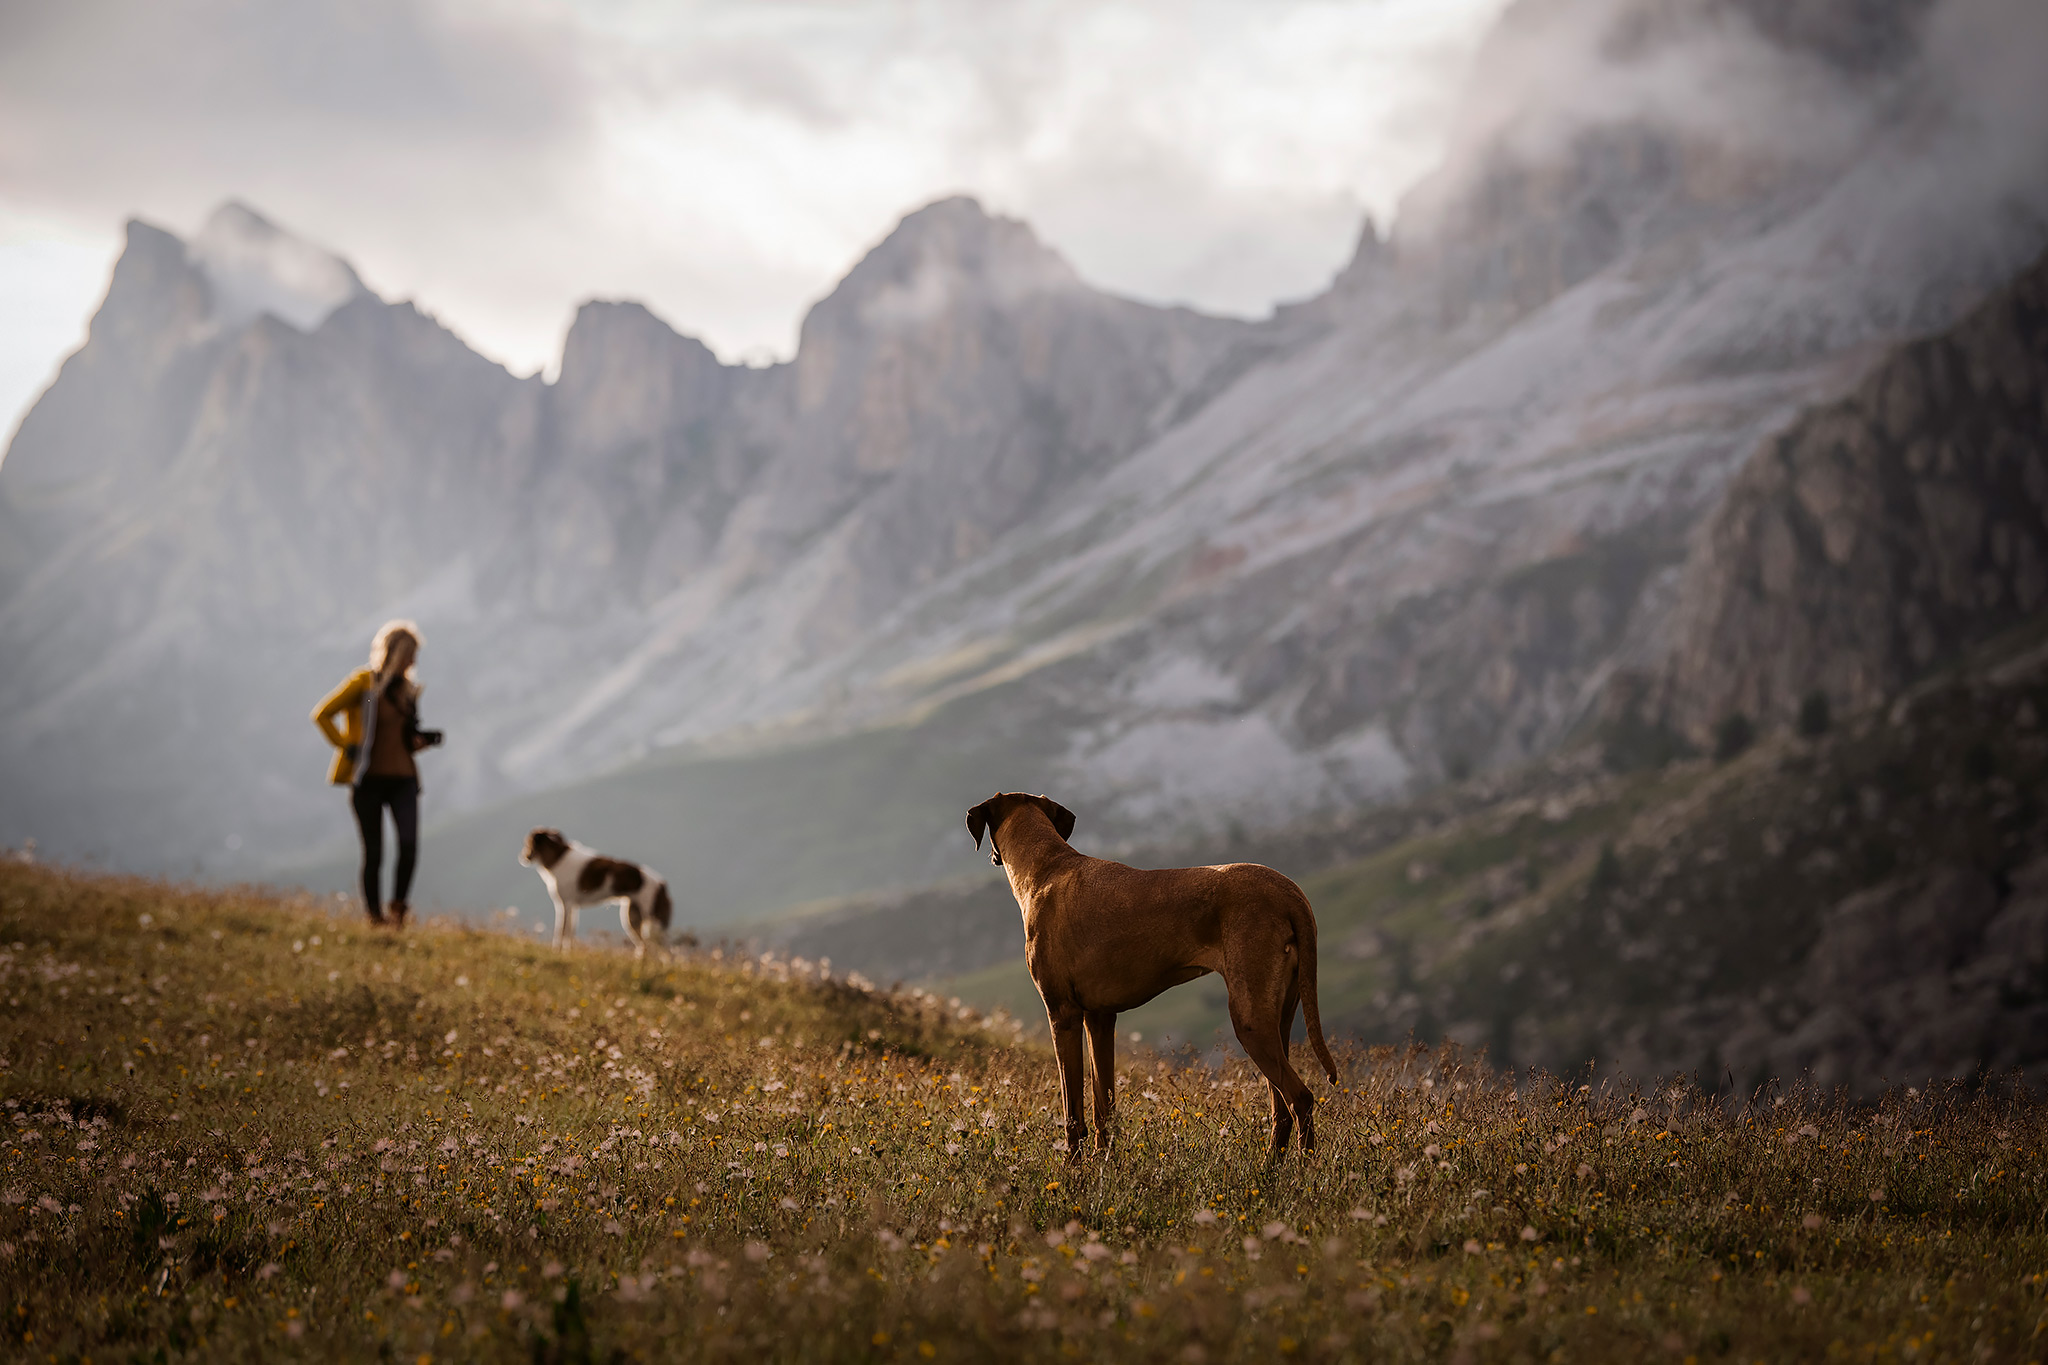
(728, 161)
(1772, 86)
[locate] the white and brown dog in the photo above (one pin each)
(578, 875)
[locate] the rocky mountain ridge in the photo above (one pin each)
(1863, 895)
(1192, 571)
(1881, 534)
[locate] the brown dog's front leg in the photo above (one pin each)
(1102, 1052)
(1066, 1042)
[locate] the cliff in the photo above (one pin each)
(1880, 535)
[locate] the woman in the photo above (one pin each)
(379, 709)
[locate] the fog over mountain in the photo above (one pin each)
(1192, 572)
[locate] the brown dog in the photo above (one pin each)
(1101, 938)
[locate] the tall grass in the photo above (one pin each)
(238, 1128)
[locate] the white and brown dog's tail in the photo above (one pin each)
(664, 908)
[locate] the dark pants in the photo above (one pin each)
(372, 795)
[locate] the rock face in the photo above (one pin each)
(253, 461)
(1882, 534)
(208, 494)
(1932, 975)
(1192, 571)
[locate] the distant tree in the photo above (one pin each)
(1631, 744)
(1980, 763)
(1732, 736)
(1813, 715)
(1606, 873)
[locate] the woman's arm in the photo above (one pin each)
(416, 738)
(335, 703)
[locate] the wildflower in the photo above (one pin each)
(758, 1252)
(395, 1280)
(512, 1299)
(1802, 1295)
(1095, 1251)
(1472, 1247)
(1273, 1230)
(1811, 1222)
(552, 1270)
(1529, 1234)
(1208, 1219)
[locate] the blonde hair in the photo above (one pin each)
(380, 645)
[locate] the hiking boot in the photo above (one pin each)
(400, 912)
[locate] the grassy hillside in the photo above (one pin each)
(238, 1129)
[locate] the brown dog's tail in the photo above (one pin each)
(1305, 966)
(663, 906)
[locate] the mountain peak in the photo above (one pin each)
(256, 267)
(940, 256)
(959, 232)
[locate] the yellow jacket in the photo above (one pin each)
(352, 741)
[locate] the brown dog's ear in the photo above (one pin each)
(1062, 818)
(977, 820)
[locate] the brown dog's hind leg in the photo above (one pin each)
(1066, 1042)
(1303, 1108)
(1102, 1052)
(1257, 999)
(1283, 1123)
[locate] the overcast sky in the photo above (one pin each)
(724, 161)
